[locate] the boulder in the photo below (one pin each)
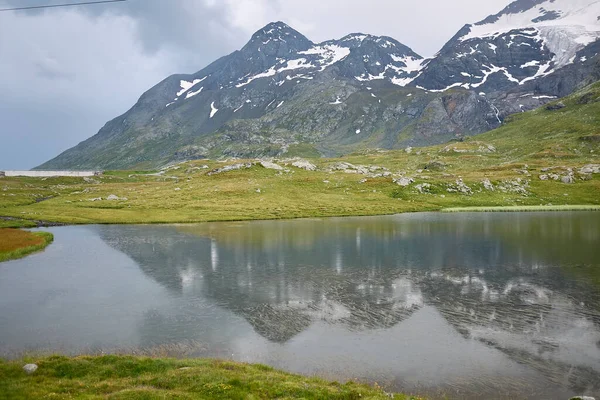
(518, 186)
(113, 197)
(568, 179)
(460, 187)
(488, 185)
(404, 182)
(303, 164)
(556, 106)
(424, 188)
(30, 368)
(228, 168)
(271, 165)
(435, 166)
(590, 169)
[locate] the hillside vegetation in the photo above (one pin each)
(546, 157)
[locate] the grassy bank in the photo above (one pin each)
(125, 377)
(522, 209)
(545, 159)
(15, 243)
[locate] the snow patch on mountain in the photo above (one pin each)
(329, 54)
(326, 55)
(576, 13)
(564, 26)
(192, 94)
(185, 85)
(213, 109)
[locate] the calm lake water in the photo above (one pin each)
(462, 305)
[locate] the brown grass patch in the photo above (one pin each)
(14, 239)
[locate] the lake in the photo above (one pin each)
(474, 305)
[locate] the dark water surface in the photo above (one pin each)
(463, 305)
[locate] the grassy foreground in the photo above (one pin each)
(543, 158)
(15, 243)
(126, 377)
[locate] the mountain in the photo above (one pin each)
(531, 48)
(283, 95)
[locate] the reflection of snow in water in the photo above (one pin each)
(338, 261)
(524, 319)
(190, 277)
(406, 294)
(324, 310)
(527, 292)
(214, 255)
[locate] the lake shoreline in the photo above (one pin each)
(24, 223)
(422, 303)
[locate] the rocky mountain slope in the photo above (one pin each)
(282, 94)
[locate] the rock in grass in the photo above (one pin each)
(404, 182)
(582, 398)
(435, 166)
(271, 165)
(30, 368)
(228, 168)
(568, 179)
(487, 184)
(556, 106)
(303, 164)
(460, 187)
(113, 197)
(423, 188)
(590, 169)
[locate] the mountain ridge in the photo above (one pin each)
(283, 94)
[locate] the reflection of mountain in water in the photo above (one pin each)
(536, 319)
(493, 277)
(280, 298)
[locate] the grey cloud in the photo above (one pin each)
(49, 68)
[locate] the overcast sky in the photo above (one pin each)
(65, 72)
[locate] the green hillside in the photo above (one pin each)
(547, 157)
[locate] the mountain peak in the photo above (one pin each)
(277, 38)
(276, 25)
(388, 44)
(277, 31)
